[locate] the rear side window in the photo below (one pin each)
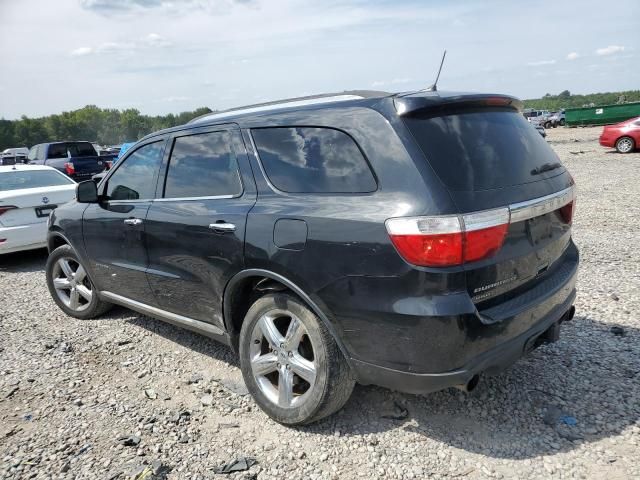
(203, 165)
(135, 178)
(313, 160)
(484, 149)
(18, 179)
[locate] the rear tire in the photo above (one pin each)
(70, 286)
(295, 371)
(625, 145)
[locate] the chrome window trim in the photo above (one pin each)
(540, 206)
(138, 200)
(156, 312)
(183, 199)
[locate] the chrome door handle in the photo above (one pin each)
(222, 227)
(133, 221)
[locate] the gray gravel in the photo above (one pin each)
(126, 395)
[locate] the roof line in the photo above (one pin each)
(287, 103)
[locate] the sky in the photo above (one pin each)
(163, 56)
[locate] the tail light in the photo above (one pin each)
(69, 168)
(449, 240)
(5, 208)
(566, 212)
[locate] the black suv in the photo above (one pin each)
(414, 241)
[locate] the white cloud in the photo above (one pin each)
(82, 51)
(539, 63)
(155, 40)
(573, 56)
(610, 50)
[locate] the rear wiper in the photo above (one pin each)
(546, 167)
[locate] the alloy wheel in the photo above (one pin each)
(72, 284)
(625, 145)
(282, 359)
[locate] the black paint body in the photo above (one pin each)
(406, 327)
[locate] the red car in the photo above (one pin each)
(623, 136)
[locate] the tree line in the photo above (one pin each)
(101, 125)
(108, 126)
(566, 100)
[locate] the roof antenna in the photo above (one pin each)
(434, 87)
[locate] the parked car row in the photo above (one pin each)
(545, 118)
(79, 160)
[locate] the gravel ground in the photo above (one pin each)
(126, 395)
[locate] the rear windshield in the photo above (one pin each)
(482, 150)
(71, 149)
(18, 179)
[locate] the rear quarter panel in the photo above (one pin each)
(347, 246)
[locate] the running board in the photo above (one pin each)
(169, 317)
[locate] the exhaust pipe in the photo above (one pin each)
(471, 385)
(570, 313)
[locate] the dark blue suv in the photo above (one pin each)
(415, 241)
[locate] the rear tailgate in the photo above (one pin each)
(32, 205)
(87, 166)
(491, 158)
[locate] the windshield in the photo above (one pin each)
(483, 149)
(18, 179)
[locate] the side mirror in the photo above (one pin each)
(87, 192)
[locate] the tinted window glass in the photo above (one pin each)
(71, 149)
(313, 160)
(15, 180)
(483, 149)
(202, 166)
(135, 177)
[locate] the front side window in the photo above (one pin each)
(202, 165)
(313, 160)
(135, 178)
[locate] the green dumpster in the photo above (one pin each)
(601, 115)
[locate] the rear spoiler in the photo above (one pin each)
(437, 101)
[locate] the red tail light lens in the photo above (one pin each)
(430, 250)
(484, 243)
(449, 240)
(69, 168)
(5, 208)
(566, 212)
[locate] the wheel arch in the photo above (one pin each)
(56, 239)
(242, 287)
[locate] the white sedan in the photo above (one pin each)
(28, 194)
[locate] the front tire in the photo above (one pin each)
(70, 286)
(625, 145)
(290, 362)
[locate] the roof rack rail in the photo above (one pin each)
(265, 107)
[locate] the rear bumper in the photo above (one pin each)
(607, 141)
(443, 341)
(490, 362)
(23, 237)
